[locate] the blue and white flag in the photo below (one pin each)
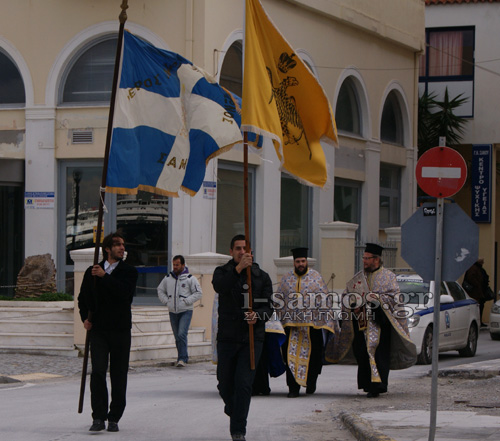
(170, 119)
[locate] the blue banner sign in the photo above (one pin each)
(481, 183)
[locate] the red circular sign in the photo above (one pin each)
(441, 172)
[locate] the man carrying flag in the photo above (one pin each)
(234, 374)
(283, 100)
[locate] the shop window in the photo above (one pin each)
(294, 215)
(11, 236)
(11, 83)
(347, 202)
(142, 219)
(89, 78)
(230, 204)
(390, 196)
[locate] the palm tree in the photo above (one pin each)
(437, 118)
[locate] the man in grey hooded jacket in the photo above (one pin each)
(179, 290)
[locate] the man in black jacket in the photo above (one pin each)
(234, 374)
(105, 309)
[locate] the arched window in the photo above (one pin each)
(89, 77)
(231, 74)
(347, 114)
(11, 83)
(391, 129)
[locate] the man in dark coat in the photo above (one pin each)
(476, 283)
(234, 375)
(105, 309)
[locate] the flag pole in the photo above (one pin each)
(248, 247)
(102, 191)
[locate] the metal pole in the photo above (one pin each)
(437, 309)
(248, 247)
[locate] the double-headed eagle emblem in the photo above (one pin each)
(291, 124)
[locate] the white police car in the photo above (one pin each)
(495, 321)
(459, 324)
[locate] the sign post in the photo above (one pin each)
(441, 172)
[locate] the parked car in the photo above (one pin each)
(495, 321)
(459, 324)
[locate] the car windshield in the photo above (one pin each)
(414, 292)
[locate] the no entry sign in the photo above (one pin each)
(441, 172)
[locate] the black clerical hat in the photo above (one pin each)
(299, 252)
(374, 249)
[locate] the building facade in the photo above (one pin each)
(55, 86)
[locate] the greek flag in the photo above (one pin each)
(170, 119)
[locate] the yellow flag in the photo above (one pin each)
(283, 100)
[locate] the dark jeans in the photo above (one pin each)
(112, 346)
(382, 357)
(180, 326)
(235, 381)
(315, 360)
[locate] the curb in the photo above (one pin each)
(362, 429)
(470, 374)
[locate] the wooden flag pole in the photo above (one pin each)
(102, 190)
(248, 247)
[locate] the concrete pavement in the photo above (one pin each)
(394, 424)
(413, 425)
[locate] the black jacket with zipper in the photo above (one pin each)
(232, 289)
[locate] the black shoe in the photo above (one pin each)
(484, 325)
(293, 394)
(238, 437)
(97, 426)
(265, 393)
(372, 395)
(112, 426)
(310, 390)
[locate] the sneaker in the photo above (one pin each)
(97, 426)
(181, 363)
(112, 426)
(238, 437)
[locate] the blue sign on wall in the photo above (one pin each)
(481, 183)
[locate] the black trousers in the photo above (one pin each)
(112, 347)
(261, 380)
(382, 357)
(235, 381)
(315, 360)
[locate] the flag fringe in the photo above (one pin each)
(222, 150)
(279, 150)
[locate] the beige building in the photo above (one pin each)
(56, 60)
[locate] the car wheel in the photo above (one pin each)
(494, 336)
(470, 349)
(425, 356)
